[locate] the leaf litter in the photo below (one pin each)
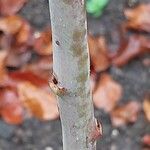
(25, 78)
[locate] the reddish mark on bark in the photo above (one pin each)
(95, 134)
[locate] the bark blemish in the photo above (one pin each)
(82, 77)
(77, 45)
(83, 61)
(76, 49)
(57, 43)
(95, 134)
(81, 92)
(83, 111)
(77, 35)
(55, 87)
(68, 2)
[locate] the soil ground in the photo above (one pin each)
(134, 77)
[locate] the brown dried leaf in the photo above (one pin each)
(40, 103)
(43, 64)
(3, 73)
(146, 140)
(138, 18)
(11, 24)
(23, 38)
(10, 7)
(136, 46)
(43, 42)
(17, 60)
(17, 32)
(29, 76)
(4, 41)
(146, 107)
(3, 55)
(107, 94)
(92, 82)
(11, 108)
(146, 62)
(125, 114)
(98, 53)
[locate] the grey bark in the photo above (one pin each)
(72, 74)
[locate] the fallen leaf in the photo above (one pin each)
(98, 53)
(107, 94)
(29, 76)
(3, 55)
(93, 82)
(18, 32)
(10, 7)
(138, 18)
(43, 42)
(17, 60)
(128, 113)
(146, 62)
(23, 38)
(4, 41)
(3, 72)
(43, 64)
(10, 24)
(146, 140)
(136, 46)
(40, 103)
(146, 107)
(11, 108)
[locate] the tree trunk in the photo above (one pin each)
(71, 80)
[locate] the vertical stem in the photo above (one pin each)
(72, 71)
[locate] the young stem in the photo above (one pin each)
(72, 74)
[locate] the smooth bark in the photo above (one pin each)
(71, 80)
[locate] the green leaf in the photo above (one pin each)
(96, 7)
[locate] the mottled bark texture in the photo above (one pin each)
(71, 80)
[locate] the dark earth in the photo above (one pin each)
(134, 77)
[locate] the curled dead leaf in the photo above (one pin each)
(10, 7)
(17, 60)
(43, 64)
(3, 72)
(138, 18)
(43, 42)
(134, 47)
(146, 62)
(146, 140)
(23, 39)
(10, 24)
(18, 32)
(29, 76)
(11, 108)
(98, 53)
(38, 102)
(107, 94)
(3, 55)
(125, 114)
(146, 107)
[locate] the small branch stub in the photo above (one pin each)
(55, 87)
(96, 133)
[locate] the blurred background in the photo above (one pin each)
(119, 43)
